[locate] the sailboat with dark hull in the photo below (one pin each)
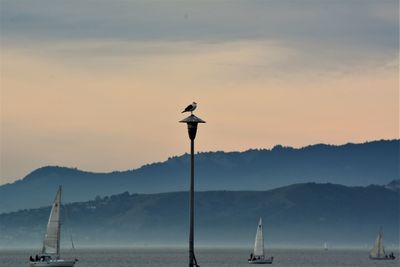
(378, 251)
(50, 256)
(258, 256)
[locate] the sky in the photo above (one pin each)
(99, 85)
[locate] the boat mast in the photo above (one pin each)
(59, 225)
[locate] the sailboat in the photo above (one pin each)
(325, 246)
(50, 256)
(378, 251)
(258, 257)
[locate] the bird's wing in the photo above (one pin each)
(188, 108)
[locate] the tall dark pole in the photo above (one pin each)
(191, 206)
(192, 122)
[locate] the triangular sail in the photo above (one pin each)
(51, 242)
(259, 243)
(378, 251)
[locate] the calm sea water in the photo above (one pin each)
(206, 258)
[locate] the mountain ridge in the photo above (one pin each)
(274, 148)
(373, 162)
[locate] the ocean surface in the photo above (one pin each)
(141, 257)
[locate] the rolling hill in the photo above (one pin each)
(350, 164)
(305, 214)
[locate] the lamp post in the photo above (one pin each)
(192, 122)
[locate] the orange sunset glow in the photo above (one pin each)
(104, 103)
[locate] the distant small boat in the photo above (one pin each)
(378, 251)
(50, 256)
(325, 246)
(258, 257)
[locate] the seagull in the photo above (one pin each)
(190, 108)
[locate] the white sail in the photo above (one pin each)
(259, 243)
(378, 251)
(51, 242)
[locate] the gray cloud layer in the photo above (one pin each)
(338, 35)
(363, 23)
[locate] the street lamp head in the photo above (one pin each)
(192, 122)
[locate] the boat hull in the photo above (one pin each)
(52, 263)
(382, 259)
(262, 261)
